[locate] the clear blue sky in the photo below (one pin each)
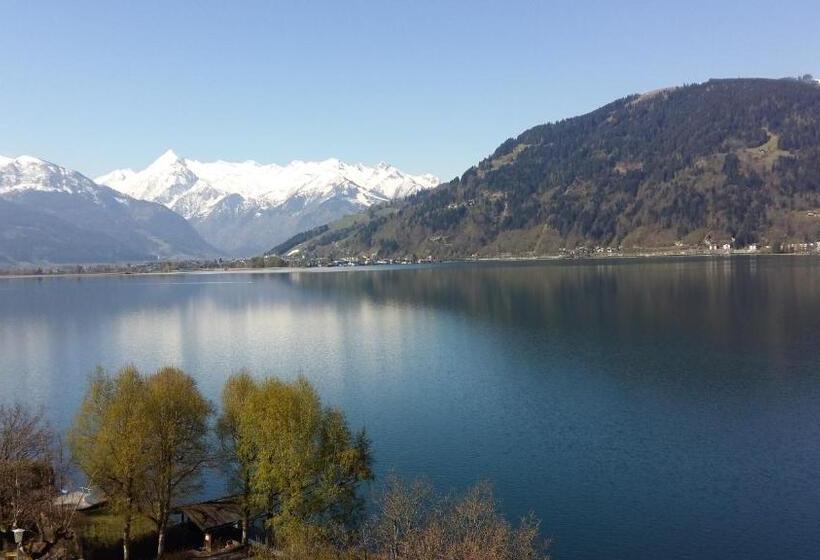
(428, 86)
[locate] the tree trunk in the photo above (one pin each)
(162, 527)
(161, 541)
(269, 529)
(246, 511)
(126, 538)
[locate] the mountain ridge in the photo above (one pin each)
(52, 214)
(733, 160)
(244, 207)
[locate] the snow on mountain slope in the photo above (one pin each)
(170, 178)
(69, 218)
(27, 173)
(243, 207)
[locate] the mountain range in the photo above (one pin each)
(732, 161)
(244, 208)
(726, 161)
(50, 214)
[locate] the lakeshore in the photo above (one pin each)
(242, 265)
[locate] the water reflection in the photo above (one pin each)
(643, 409)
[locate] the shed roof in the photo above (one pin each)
(214, 513)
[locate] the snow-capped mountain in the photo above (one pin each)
(51, 214)
(27, 173)
(246, 207)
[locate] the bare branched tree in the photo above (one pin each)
(32, 474)
(412, 522)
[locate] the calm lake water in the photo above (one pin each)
(643, 410)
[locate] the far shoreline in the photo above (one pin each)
(7, 275)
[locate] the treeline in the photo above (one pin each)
(145, 440)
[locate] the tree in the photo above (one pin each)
(237, 461)
(413, 523)
(25, 444)
(31, 475)
(402, 513)
(731, 167)
(176, 444)
(307, 464)
(109, 441)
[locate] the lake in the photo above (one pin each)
(642, 409)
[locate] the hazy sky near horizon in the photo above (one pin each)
(430, 86)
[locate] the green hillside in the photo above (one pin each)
(724, 160)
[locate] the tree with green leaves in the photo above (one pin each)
(237, 461)
(177, 447)
(305, 462)
(143, 442)
(110, 441)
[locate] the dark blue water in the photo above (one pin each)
(642, 410)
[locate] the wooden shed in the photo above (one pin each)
(218, 520)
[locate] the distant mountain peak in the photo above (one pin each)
(117, 175)
(29, 173)
(30, 159)
(302, 194)
(168, 157)
(23, 160)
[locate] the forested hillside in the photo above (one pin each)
(724, 161)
